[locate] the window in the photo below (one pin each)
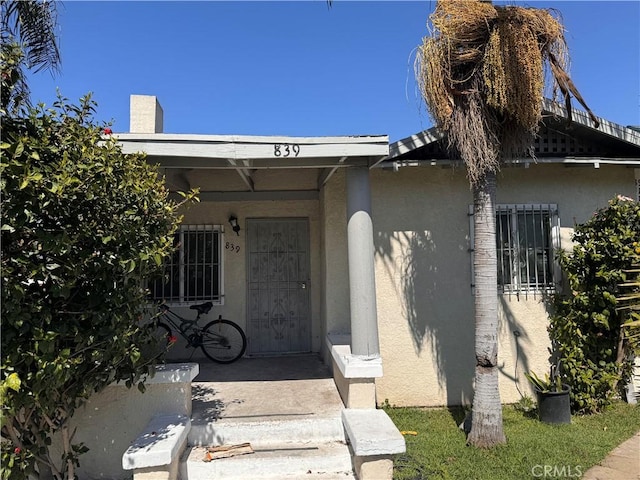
(526, 239)
(194, 272)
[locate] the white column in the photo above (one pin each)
(362, 285)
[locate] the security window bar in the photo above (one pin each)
(525, 250)
(194, 272)
(526, 238)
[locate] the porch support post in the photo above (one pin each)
(362, 286)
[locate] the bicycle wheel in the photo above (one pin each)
(223, 341)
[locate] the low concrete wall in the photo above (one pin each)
(114, 417)
(353, 375)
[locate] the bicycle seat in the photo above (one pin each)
(202, 308)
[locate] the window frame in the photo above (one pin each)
(217, 298)
(517, 286)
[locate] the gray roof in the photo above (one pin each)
(557, 142)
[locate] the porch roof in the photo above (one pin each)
(610, 143)
(246, 154)
(224, 151)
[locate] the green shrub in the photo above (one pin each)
(82, 226)
(586, 326)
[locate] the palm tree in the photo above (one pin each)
(482, 76)
(28, 30)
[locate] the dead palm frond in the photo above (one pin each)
(482, 73)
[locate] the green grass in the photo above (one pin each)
(439, 450)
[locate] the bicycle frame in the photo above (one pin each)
(182, 325)
(221, 340)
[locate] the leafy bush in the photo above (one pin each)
(82, 226)
(586, 326)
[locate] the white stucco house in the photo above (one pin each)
(360, 250)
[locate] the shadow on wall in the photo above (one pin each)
(528, 344)
(519, 339)
(436, 306)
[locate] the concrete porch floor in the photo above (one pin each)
(287, 408)
(265, 388)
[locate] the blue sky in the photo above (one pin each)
(301, 68)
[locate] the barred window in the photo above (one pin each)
(526, 239)
(194, 272)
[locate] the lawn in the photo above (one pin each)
(439, 449)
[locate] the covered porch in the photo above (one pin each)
(282, 271)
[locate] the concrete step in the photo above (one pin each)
(292, 421)
(289, 461)
(267, 431)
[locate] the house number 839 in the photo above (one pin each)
(286, 149)
(232, 247)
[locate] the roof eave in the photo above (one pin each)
(288, 152)
(596, 162)
(606, 127)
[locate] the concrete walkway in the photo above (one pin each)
(623, 463)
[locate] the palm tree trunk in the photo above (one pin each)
(486, 423)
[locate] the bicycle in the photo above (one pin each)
(221, 340)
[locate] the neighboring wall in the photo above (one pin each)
(423, 274)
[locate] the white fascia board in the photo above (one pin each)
(622, 162)
(245, 148)
(629, 162)
(180, 137)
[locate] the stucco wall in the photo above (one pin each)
(423, 274)
(336, 281)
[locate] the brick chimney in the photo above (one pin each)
(145, 114)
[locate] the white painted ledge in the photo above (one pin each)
(175, 373)
(352, 366)
(371, 432)
(171, 373)
(159, 443)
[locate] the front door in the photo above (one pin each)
(278, 290)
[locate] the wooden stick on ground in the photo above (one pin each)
(225, 451)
